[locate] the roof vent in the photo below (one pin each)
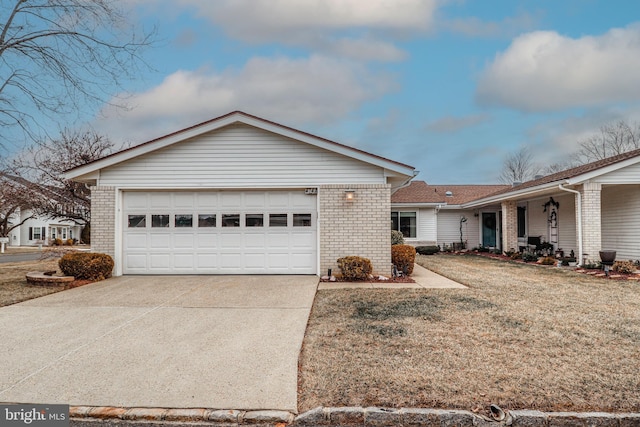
(538, 176)
(516, 183)
(448, 194)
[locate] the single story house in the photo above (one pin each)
(584, 209)
(241, 195)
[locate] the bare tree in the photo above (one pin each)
(16, 199)
(519, 167)
(613, 139)
(59, 56)
(43, 164)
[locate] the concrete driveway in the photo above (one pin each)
(163, 341)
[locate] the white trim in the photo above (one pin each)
(88, 171)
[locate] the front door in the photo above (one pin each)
(489, 229)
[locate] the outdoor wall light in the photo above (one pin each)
(349, 195)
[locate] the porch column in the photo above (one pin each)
(103, 220)
(591, 220)
(509, 225)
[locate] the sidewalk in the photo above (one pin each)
(424, 279)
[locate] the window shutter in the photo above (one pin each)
(44, 233)
(30, 233)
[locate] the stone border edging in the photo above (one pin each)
(346, 416)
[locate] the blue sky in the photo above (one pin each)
(450, 87)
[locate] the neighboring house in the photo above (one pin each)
(34, 228)
(41, 230)
(585, 209)
(433, 214)
(241, 195)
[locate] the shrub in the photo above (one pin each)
(86, 265)
(403, 257)
(355, 267)
(57, 242)
(529, 257)
(515, 255)
(69, 242)
(624, 267)
(397, 238)
(548, 260)
(427, 250)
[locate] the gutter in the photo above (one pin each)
(407, 182)
(579, 219)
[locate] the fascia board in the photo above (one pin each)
(512, 195)
(171, 139)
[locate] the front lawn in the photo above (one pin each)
(522, 336)
(13, 285)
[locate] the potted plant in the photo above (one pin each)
(571, 260)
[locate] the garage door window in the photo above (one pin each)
(231, 220)
(207, 220)
(277, 220)
(185, 221)
(302, 220)
(254, 220)
(159, 221)
(137, 221)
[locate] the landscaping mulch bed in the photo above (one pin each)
(521, 336)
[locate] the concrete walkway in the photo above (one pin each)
(424, 279)
(153, 341)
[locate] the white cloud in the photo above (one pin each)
(475, 27)
(542, 71)
(449, 124)
(314, 90)
(349, 28)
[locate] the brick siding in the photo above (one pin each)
(103, 220)
(360, 227)
(591, 220)
(510, 225)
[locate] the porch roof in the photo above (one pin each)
(421, 193)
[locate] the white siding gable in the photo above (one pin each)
(628, 175)
(240, 156)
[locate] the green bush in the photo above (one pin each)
(624, 267)
(397, 238)
(403, 257)
(529, 257)
(427, 250)
(355, 267)
(86, 265)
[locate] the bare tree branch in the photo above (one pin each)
(60, 56)
(613, 139)
(519, 167)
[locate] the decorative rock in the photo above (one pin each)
(148, 414)
(420, 417)
(332, 279)
(380, 417)
(224, 416)
(383, 278)
(316, 417)
(324, 278)
(185, 414)
(261, 417)
(346, 416)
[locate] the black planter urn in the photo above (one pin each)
(607, 257)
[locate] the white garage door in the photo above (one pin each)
(222, 232)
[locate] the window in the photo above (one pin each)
(185, 220)
(277, 220)
(36, 233)
(231, 220)
(159, 221)
(404, 222)
(522, 223)
(207, 220)
(254, 220)
(302, 220)
(137, 221)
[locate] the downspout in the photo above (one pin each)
(579, 219)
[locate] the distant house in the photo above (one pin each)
(584, 209)
(34, 228)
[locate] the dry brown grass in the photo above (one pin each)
(14, 287)
(521, 336)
